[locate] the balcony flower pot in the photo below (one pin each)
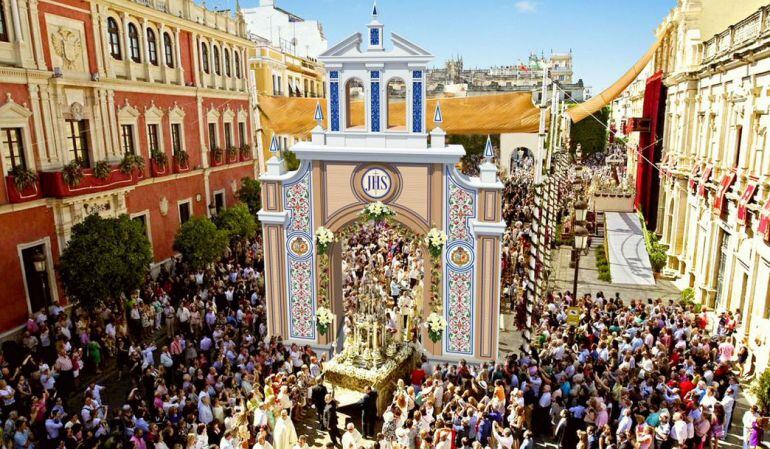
(19, 192)
(158, 164)
(217, 157)
(232, 155)
(244, 152)
(181, 162)
(72, 181)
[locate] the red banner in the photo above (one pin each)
(693, 175)
(745, 200)
(764, 221)
(724, 186)
(703, 180)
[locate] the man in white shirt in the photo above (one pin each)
(351, 438)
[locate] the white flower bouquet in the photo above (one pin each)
(323, 319)
(436, 239)
(377, 211)
(323, 239)
(436, 325)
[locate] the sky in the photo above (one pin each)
(606, 36)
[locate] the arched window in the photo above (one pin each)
(3, 24)
(152, 47)
(396, 106)
(237, 58)
(168, 48)
(133, 43)
(227, 62)
(113, 33)
(354, 104)
(217, 62)
(205, 57)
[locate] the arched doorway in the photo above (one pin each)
(520, 156)
(354, 105)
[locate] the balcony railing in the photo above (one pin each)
(743, 32)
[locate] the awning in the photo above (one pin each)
(724, 186)
(583, 110)
(693, 175)
(748, 194)
(703, 180)
(764, 221)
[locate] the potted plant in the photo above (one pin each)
(181, 161)
(72, 174)
(216, 156)
(102, 170)
(132, 162)
(232, 154)
(158, 163)
(245, 152)
(23, 178)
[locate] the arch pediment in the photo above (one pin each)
(12, 111)
(128, 112)
(176, 113)
(153, 113)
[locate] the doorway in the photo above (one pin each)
(37, 283)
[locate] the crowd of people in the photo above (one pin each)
(190, 365)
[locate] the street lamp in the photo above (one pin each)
(581, 210)
(212, 210)
(39, 262)
(581, 241)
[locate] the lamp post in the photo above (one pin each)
(581, 241)
(39, 262)
(212, 210)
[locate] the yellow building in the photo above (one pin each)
(278, 74)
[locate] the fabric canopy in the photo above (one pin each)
(583, 110)
(488, 114)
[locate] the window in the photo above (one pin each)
(113, 33)
(133, 43)
(184, 212)
(152, 47)
(738, 139)
(13, 148)
(276, 85)
(242, 133)
(228, 134)
(219, 201)
(77, 141)
(217, 64)
(227, 62)
(152, 133)
(306, 88)
(127, 138)
(142, 220)
(168, 47)
(176, 138)
(205, 57)
(237, 58)
(3, 24)
(212, 136)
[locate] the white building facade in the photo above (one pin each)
(284, 30)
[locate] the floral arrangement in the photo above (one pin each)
(23, 177)
(181, 157)
(323, 319)
(436, 325)
(159, 158)
(72, 173)
(102, 170)
(132, 162)
(323, 238)
(436, 239)
(245, 151)
(217, 153)
(377, 212)
(232, 151)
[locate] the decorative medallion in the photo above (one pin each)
(460, 257)
(299, 246)
(66, 44)
(376, 183)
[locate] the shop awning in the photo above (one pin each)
(583, 110)
(724, 186)
(703, 180)
(748, 194)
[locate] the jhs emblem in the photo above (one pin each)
(376, 183)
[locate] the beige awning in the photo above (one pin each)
(583, 110)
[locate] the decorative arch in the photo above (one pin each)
(354, 120)
(351, 213)
(396, 93)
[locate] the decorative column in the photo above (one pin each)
(35, 31)
(375, 113)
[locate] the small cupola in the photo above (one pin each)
(376, 36)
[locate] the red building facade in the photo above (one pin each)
(83, 84)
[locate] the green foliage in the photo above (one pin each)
(23, 177)
(132, 162)
(760, 388)
(688, 295)
(102, 170)
(655, 250)
(200, 242)
(160, 158)
(591, 133)
(603, 265)
(291, 161)
(245, 150)
(474, 149)
(181, 157)
(105, 257)
(72, 173)
(238, 222)
(250, 193)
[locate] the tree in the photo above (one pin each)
(591, 133)
(760, 388)
(200, 242)
(238, 222)
(250, 193)
(291, 161)
(474, 145)
(105, 257)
